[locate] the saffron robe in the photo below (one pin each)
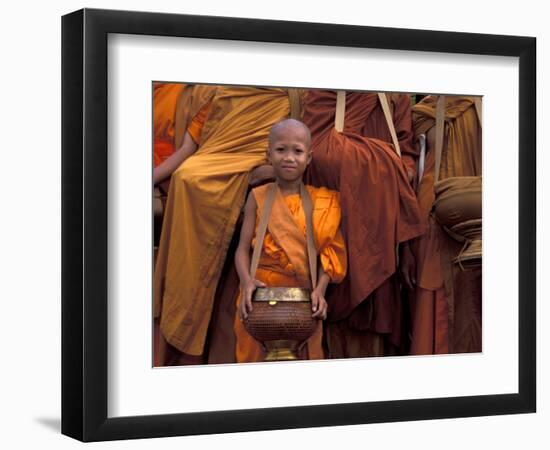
(207, 193)
(165, 98)
(379, 210)
(284, 262)
(446, 303)
(174, 107)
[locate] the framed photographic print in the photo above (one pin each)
(186, 136)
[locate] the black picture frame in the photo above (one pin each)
(84, 224)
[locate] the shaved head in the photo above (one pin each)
(286, 125)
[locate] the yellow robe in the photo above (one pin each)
(283, 261)
(207, 193)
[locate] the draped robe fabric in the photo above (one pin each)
(379, 210)
(206, 196)
(284, 262)
(177, 108)
(446, 303)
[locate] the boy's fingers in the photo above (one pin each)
(319, 314)
(323, 309)
(249, 301)
(319, 308)
(314, 303)
(243, 308)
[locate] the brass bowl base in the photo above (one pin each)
(281, 350)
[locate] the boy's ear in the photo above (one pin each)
(309, 156)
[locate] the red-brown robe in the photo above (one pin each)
(379, 210)
(446, 302)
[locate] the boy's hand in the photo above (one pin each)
(318, 305)
(246, 299)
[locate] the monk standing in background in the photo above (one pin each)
(445, 298)
(207, 193)
(379, 211)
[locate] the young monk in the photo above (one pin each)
(283, 260)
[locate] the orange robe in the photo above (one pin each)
(379, 210)
(207, 193)
(175, 106)
(165, 102)
(446, 303)
(283, 260)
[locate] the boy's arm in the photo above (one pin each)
(242, 257)
(323, 280)
(318, 303)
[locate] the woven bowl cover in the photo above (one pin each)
(282, 321)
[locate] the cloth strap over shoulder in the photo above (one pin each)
(262, 228)
(340, 111)
(389, 120)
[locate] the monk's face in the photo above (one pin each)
(289, 152)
